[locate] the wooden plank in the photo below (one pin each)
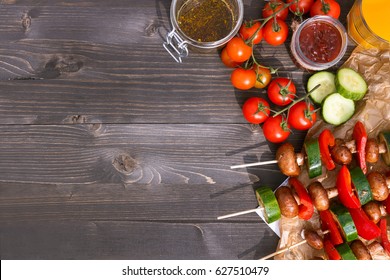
(23, 202)
(114, 69)
(143, 154)
(134, 240)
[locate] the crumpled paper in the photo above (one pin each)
(374, 111)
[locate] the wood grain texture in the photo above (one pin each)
(106, 64)
(142, 154)
(55, 175)
(111, 150)
(133, 240)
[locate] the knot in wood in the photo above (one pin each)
(255, 128)
(78, 119)
(59, 65)
(95, 127)
(151, 29)
(75, 119)
(125, 163)
(26, 21)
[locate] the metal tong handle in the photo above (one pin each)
(176, 46)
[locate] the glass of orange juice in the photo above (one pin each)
(369, 23)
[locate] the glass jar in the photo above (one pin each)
(369, 23)
(210, 36)
(319, 43)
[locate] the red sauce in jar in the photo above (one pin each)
(320, 42)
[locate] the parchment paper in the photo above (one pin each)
(374, 111)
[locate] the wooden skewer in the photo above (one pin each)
(288, 248)
(283, 250)
(238, 213)
(254, 164)
(300, 158)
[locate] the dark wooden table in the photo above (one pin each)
(111, 150)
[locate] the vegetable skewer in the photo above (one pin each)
(376, 184)
(300, 157)
(328, 150)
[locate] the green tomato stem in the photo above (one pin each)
(297, 100)
(265, 20)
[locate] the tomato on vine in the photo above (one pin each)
(302, 115)
(281, 91)
(276, 129)
(274, 6)
(301, 7)
(243, 78)
(227, 60)
(256, 110)
(275, 32)
(263, 75)
(248, 29)
(238, 50)
(325, 7)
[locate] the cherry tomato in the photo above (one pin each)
(227, 60)
(256, 110)
(237, 50)
(325, 7)
(300, 8)
(275, 32)
(274, 6)
(243, 78)
(248, 29)
(263, 76)
(276, 129)
(302, 116)
(281, 91)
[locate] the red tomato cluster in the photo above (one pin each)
(248, 73)
(317, 7)
(301, 114)
(274, 30)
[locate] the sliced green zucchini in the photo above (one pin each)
(266, 199)
(326, 80)
(344, 221)
(384, 137)
(361, 185)
(346, 252)
(350, 84)
(314, 164)
(336, 109)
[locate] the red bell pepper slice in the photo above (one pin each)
(306, 208)
(360, 136)
(364, 226)
(331, 251)
(384, 236)
(344, 187)
(328, 223)
(326, 140)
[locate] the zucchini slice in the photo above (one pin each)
(326, 80)
(314, 164)
(350, 84)
(346, 252)
(266, 199)
(337, 109)
(361, 185)
(344, 220)
(384, 137)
